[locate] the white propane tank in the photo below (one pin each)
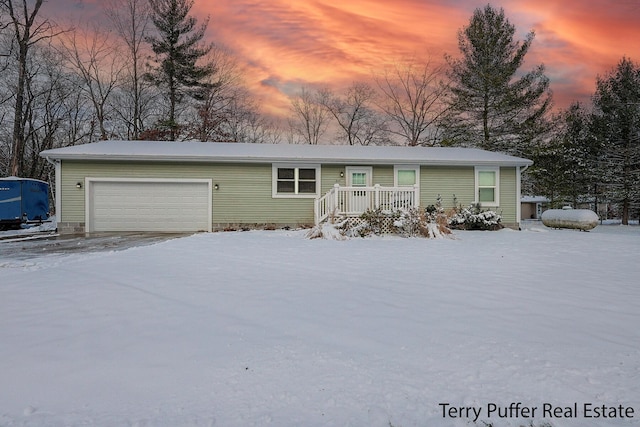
(580, 219)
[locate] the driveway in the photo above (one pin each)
(26, 246)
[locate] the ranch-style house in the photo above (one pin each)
(154, 186)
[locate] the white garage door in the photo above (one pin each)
(149, 205)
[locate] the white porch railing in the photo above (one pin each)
(354, 201)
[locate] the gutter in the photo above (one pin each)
(305, 160)
(51, 162)
(57, 195)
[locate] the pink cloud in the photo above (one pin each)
(284, 45)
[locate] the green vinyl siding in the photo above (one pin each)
(383, 175)
(330, 177)
(244, 194)
(245, 190)
(447, 181)
(508, 197)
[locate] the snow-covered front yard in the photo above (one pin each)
(267, 328)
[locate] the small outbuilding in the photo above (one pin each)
(204, 186)
(532, 207)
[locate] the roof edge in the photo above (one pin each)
(515, 161)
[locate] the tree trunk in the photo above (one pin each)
(23, 37)
(18, 126)
(485, 123)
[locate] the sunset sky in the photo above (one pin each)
(287, 44)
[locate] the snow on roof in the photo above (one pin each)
(241, 152)
(534, 199)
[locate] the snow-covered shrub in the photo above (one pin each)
(474, 218)
(438, 224)
(410, 222)
(429, 222)
(332, 229)
(373, 221)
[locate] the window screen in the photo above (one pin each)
(406, 177)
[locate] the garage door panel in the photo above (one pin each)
(149, 206)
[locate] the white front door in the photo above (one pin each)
(359, 201)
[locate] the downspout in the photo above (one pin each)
(57, 192)
(519, 192)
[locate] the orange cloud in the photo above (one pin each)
(580, 40)
(325, 43)
(285, 45)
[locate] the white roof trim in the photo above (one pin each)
(267, 153)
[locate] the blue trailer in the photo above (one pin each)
(23, 201)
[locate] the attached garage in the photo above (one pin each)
(163, 205)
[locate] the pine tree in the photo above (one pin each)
(491, 107)
(617, 123)
(178, 48)
(546, 176)
(581, 151)
(566, 169)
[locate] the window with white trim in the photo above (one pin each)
(406, 176)
(488, 186)
(295, 180)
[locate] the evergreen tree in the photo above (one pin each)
(491, 107)
(566, 169)
(617, 123)
(581, 150)
(546, 176)
(178, 48)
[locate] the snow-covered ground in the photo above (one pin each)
(49, 225)
(267, 328)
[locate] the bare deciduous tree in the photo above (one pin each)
(413, 100)
(229, 112)
(358, 121)
(47, 90)
(309, 118)
(247, 125)
(52, 115)
(223, 97)
(95, 57)
(26, 32)
(130, 19)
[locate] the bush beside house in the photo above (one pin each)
(429, 222)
